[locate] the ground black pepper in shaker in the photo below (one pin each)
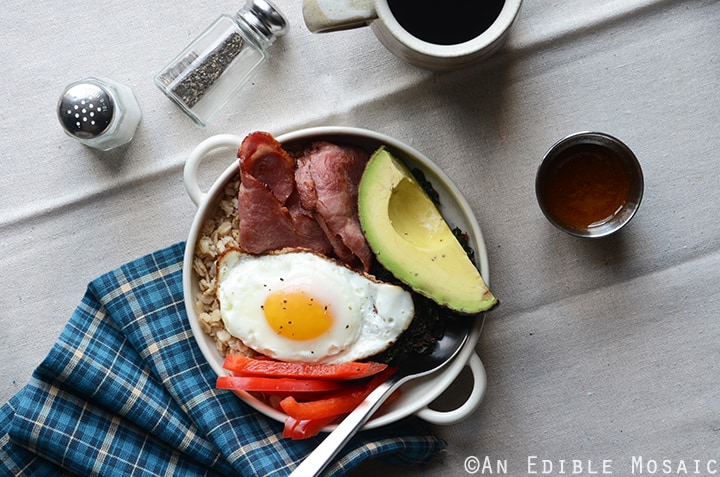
(213, 68)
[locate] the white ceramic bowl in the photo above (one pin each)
(417, 394)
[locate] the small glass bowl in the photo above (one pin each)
(557, 189)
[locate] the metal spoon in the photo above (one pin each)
(455, 336)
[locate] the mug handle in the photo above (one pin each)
(471, 403)
(190, 172)
(323, 16)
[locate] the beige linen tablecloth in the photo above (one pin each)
(603, 354)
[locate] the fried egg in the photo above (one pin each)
(299, 306)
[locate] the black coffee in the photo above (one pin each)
(446, 22)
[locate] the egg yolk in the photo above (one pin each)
(296, 315)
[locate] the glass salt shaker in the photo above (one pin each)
(99, 112)
(216, 65)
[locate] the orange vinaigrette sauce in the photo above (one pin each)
(587, 187)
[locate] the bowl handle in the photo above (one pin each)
(190, 172)
(468, 407)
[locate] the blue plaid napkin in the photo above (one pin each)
(126, 391)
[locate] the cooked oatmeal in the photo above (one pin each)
(219, 232)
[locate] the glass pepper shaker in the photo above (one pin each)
(215, 66)
(98, 112)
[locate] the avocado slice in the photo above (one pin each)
(411, 239)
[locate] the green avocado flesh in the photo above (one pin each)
(412, 240)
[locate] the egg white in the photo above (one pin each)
(368, 316)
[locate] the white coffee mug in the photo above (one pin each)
(323, 16)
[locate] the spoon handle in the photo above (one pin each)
(318, 459)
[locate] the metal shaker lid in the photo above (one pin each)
(86, 109)
(265, 18)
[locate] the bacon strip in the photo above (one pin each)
(308, 203)
(327, 180)
(271, 216)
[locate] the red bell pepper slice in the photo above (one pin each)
(244, 366)
(338, 402)
(271, 385)
(302, 429)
